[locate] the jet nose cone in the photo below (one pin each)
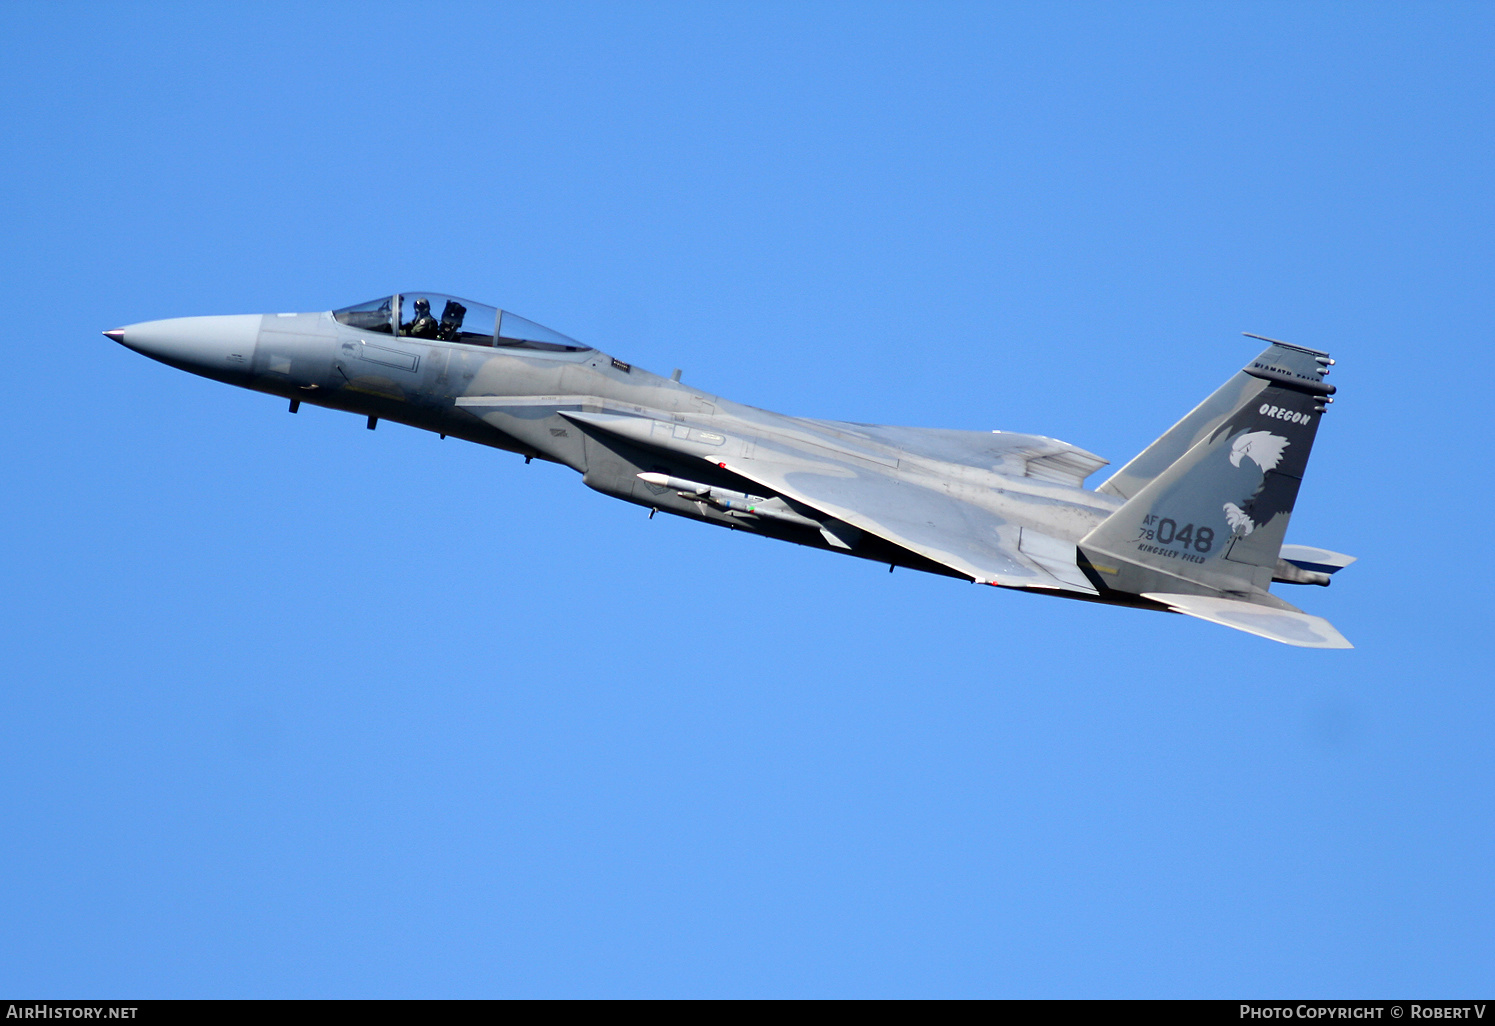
(217, 347)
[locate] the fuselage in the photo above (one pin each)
(526, 395)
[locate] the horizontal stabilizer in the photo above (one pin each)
(1322, 561)
(1291, 627)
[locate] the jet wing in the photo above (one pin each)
(865, 490)
(962, 536)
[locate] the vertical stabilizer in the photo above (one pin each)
(1295, 363)
(1216, 513)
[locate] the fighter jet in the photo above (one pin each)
(1194, 524)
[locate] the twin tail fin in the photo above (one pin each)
(1209, 502)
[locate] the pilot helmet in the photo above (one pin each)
(422, 307)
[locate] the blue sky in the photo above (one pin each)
(291, 708)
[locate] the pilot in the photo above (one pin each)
(424, 325)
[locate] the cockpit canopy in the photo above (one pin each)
(431, 315)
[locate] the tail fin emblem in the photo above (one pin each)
(1240, 523)
(1260, 447)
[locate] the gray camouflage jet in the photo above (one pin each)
(1194, 524)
